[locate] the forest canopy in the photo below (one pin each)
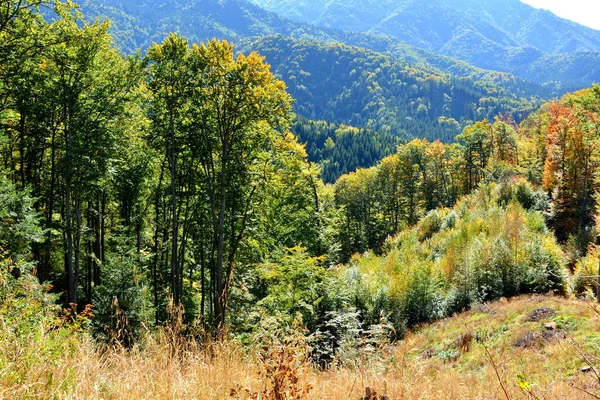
(172, 181)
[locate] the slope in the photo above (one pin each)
(333, 93)
(538, 345)
(504, 35)
(362, 88)
(138, 24)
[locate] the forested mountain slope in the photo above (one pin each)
(506, 22)
(358, 87)
(379, 87)
(340, 148)
(138, 24)
(505, 35)
(327, 89)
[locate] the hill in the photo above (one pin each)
(503, 35)
(539, 346)
(363, 88)
(163, 235)
(372, 102)
(137, 25)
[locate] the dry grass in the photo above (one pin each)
(424, 366)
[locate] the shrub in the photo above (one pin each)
(423, 301)
(586, 267)
(431, 224)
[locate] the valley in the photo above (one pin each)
(298, 200)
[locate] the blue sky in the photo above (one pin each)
(585, 12)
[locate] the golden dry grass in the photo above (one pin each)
(408, 371)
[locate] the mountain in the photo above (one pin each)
(432, 24)
(139, 23)
(503, 35)
(364, 91)
(363, 88)
(136, 24)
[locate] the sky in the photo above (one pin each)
(585, 12)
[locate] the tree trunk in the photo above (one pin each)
(219, 284)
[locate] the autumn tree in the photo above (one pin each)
(569, 171)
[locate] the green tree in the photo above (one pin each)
(170, 74)
(238, 111)
(90, 84)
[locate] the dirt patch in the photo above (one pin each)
(530, 341)
(540, 314)
(549, 336)
(484, 309)
(429, 353)
(536, 340)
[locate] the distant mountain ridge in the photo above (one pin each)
(139, 23)
(245, 23)
(503, 35)
(431, 24)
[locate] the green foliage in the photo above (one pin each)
(18, 220)
(585, 282)
(489, 250)
(124, 290)
(295, 284)
(340, 149)
(376, 92)
(31, 334)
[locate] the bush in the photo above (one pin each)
(431, 224)
(295, 284)
(545, 270)
(123, 298)
(484, 249)
(423, 301)
(18, 221)
(582, 285)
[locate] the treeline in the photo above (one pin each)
(556, 149)
(420, 177)
(154, 179)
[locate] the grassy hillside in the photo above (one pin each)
(539, 346)
(527, 358)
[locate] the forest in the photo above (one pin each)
(170, 207)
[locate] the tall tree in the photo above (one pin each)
(169, 81)
(569, 171)
(239, 111)
(90, 83)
